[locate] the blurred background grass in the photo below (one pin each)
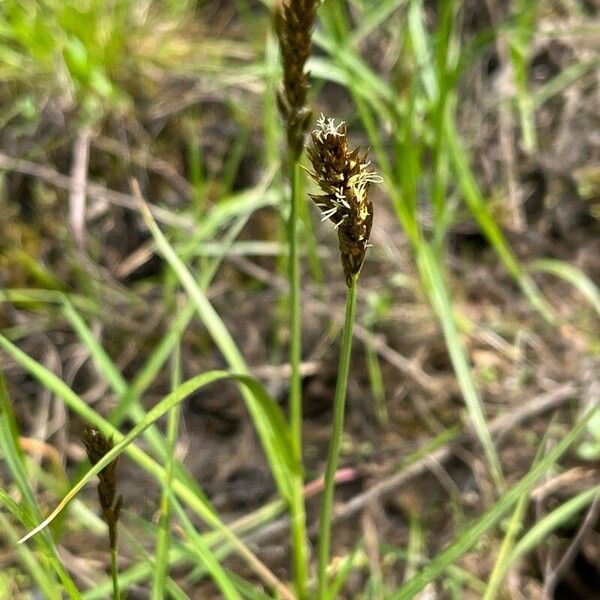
(479, 298)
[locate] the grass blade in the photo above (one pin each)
(75, 403)
(9, 442)
(463, 542)
(206, 556)
(572, 275)
(163, 536)
(224, 342)
(430, 271)
(474, 199)
(558, 517)
(278, 431)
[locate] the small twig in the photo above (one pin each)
(571, 553)
(145, 159)
(571, 478)
(499, 424)
(341, 476)
(35, 446)
(135, 260)
(79, 173)
(93, 190)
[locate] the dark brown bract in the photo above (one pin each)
(344, 177)
(97, 446)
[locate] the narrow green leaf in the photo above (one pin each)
(558, 517)
(187, 494)
(479, 209)
(430, 271)
(9, 442)
(230, 351)
(278, 429)
(572, 275)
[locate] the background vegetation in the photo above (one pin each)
(143, 259)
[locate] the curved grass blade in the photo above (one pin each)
(558, 517)
(535, 536)
(429, 269)
(479, 209)
(222, 339)
(187, 494)
(278, 434)
(572, 275)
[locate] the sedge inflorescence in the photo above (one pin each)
(294, 21)
(97, 446)
(344, 177)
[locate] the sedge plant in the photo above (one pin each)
(344, 178)
(294, 20)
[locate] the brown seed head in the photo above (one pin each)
(97, 446)
(344, 177)
(294, 21)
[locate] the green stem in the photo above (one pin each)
(163, 538)
(297, 509)
(295, 332)
(339, 404)
(114, 565)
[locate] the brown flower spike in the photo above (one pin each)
(294, 21)
(344, 177)
(97, 446)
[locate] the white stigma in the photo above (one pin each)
(327, 126)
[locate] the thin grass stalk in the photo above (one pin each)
(431, 272)
(294, 20)
(403, 194)
(333, 453)
(163, 538)
(114, 571)
(210, 559)
(297, 507)
(497, 575)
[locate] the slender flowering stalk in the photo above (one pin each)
(344, 178)
(97, 446)
(294, 21)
